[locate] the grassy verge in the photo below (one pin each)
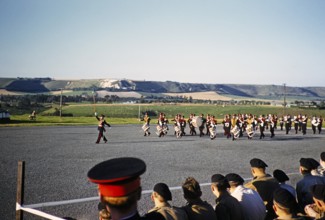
(83, 114)
(23, 120)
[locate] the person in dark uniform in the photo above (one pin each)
(101, 127)
(240, 123)
(227, 206)
(201, 127)
(314, 124)
(160, 196)
(119, 187)
(196, 208)
(227, 126)
(183, 125)
(296, 123)
(264, 184)
(282, 177)
(287, 123)
(285, 205)
(146, 125)
(190, 124)
(281, 123)
(304, 196)
(261, 122)
(320, 124)
(207, 125)
(304, 124)
(318, 192)
(272, 125)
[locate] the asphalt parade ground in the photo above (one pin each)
(58, 159)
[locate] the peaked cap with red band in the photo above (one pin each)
(117, 177)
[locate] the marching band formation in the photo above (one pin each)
(234, 126)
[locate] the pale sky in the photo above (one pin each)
(197, 41)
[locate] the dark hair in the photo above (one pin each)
(191, 188)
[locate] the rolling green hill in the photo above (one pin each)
(270, 92)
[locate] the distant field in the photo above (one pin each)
(5, 81)
(211, 95)
(83, 114)
(132, 111)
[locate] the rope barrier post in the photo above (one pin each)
(20, 188)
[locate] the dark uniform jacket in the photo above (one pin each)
(148, 216)
(304, 195)
(265, 186)
(199, 210)
(228, 208)
(170, 212)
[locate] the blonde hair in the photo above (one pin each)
(123, 202)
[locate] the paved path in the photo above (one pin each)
(58, 159)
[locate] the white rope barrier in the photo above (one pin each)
(31, 208)
(37, 212)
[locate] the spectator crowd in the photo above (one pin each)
(266, 196)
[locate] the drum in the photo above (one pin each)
(145, 127)
(314, 122)
(235, 130)
(178, 131)
(197, 121)
(176, 128)
(249, 130)
(159, 128)
(213, 131)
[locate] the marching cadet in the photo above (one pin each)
(320, 124)
(234, 127)
(281, 123)
(240, 124)
(160, 196)
(196, 208)
(207, 125)
(275, 121)
(249, 126)
(165, 122)
(183, 125)
(201, 127)
(162, 125)
(314, 124)
(176, 121)
(190, 124)
(146, 125)
(300, 121)
(227, 126)
(101, 127)
(261, 122)
(264, 184)
(272, 125)
(287, 123)
(119, 187)
(213, 127)
(304, 124)
(227, 206)
(296, 123)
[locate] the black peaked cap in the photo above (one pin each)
(318, 191)
(255, 162)
(117, 170)
(280, 176)
(233, 177)
(163, 190)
